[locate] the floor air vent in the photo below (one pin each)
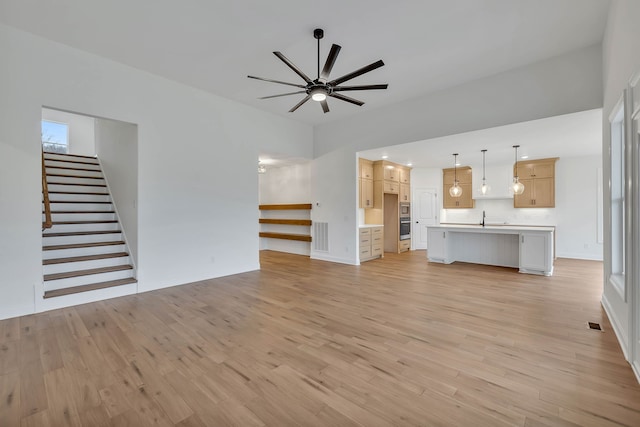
(595, 326)
(321, 236)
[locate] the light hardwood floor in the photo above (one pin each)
(396, 341)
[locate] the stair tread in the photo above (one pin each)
(89, 287)
(84, 258)
(81, 233)
(66, 175)
(86, 193)
(77, 183)
(81, 201)
(77, 162)
(71, 169)
(105, 221)
(68, 155)
(81, 212)
(82, 245)
(78, 273)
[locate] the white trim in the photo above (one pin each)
(617, 282)
(622, 338)
(333, 259)
(579, 256)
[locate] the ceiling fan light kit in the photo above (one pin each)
(321, 88)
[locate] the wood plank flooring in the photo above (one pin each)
(394, 342)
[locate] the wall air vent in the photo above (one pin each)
(321, 236)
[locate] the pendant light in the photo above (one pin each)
(485, 188)
(517, 186)
(455, 190)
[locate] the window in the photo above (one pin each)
(55, 137)
(617, 151)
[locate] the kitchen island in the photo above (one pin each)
(528, 248)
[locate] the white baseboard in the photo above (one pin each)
(622, 338)
(580, 256)
(9, 312)
(636, 370)
(321, 257)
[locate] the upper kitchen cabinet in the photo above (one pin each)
(405, 175)
(365, 181)
(538, 178)
(390, 176)
(465, 180)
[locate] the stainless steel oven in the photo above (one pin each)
(405, 227)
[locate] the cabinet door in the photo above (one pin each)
(436, 245)
(524, 200)
(405, 192)
(535, 252)
(366, 169)
(391, 173)
(366, 193)
(543, 196)
(405, 176)
(544, 170)
(391, 187)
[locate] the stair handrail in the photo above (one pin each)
(47, 223)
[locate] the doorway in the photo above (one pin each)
(425, 214)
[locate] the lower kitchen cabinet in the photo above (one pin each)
(536, 253)
(371, 242)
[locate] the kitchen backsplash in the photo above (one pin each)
(499, 211)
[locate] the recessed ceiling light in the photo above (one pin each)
(385, 157)
(524, 157)
(458, 164)
(409, 164)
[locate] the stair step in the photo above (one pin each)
(68, 274)
(80, 201)
(65, 175)
(80, 233)
(82, 212)
(81, 245)
(89, 287)
(86, 193)
(78, 162)
(69, 168)
(106, 221)
(78, 156)
(84, 258)
(81, 184)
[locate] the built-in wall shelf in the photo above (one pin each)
(289, 207)
(295, 222)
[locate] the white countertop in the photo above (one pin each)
(370, 225)
(493, 228)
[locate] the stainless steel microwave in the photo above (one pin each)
(405, 209)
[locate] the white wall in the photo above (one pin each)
(284, 185)
(561, 85)
(197, 181)
(81, 130)
(117, 150)
(621, 46)
(575, 215)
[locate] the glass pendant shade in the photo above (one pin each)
(517, 186)
(484, 189)
(455, 190)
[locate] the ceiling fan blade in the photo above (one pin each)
(357, 73)
(325, 106)
(282, 94)
(276, 81)
(306, 98)
(293, 67)
(363, 87)
(331, 59)
(346, 98)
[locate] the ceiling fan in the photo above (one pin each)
(320, 88)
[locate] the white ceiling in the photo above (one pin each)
(213, 45)
(570, 135)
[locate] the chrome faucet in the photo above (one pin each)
(484, 215)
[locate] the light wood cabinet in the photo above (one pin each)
(538, 178)
(366, 193)
(465, 180)
(405, 175)
(391, 172)
(371, 243)
(391, 187)
(365, 179)
(405, 192)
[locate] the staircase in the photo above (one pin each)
(84, 250)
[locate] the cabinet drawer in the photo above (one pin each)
(365, 241)
(376, 231)
(365, 232)
(365, 252)
(377, 240)
(391, 187)
(404, 245)
(376, 250)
